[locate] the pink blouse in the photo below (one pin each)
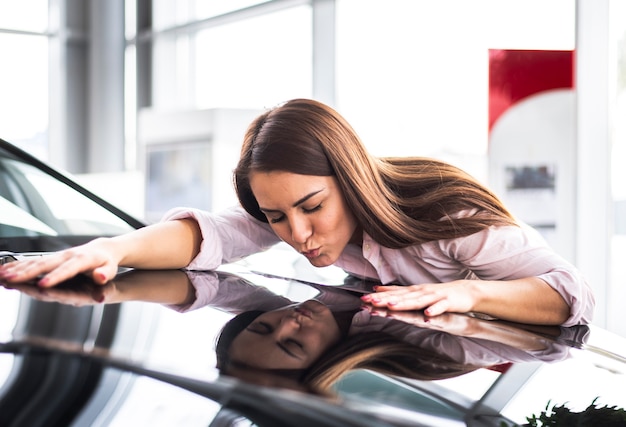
(496, 253)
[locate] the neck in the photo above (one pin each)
(357, 236)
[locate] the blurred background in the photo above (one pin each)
(146, 101)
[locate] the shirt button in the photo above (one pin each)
(367, 247)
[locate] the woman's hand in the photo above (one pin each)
(528, 300)
(434, 298)
(165, 245)
(95, 259)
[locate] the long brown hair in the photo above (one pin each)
(397, 201)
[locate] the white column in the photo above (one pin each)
(324, 51)
(106, 86)
(594, 215)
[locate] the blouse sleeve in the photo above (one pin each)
(226, 237)
(510, 252)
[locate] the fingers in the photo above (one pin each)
(56, 269)
(50, 270)
(439, 307)
(69, 267)
(29, 269)
(433, 300)
(98, 276)
(414, 297)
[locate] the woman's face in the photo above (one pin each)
(308, 212)
(292, 337)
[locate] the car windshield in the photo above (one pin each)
(38, 212)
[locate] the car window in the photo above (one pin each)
(34, 203)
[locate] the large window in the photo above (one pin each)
(267, 60)
(24, 74)
(250, 63)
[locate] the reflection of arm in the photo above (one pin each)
(180, 290)
(496, 332)
(466, 326)
(466, 339)
(188, 290)
(162, 286)
(230, 293)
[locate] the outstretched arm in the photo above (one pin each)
(166, 245)
(528, 300)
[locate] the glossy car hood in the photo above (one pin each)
(402, 370)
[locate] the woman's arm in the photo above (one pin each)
(166, 245)
(528, 300)
(507, 272)
(187, 238)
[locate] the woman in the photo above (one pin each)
(304, 177)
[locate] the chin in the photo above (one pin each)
(322, 261)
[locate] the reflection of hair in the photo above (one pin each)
(397, 201)
(375, 351)
(383, 353)
(229, 332)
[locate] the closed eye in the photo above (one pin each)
(315, 209)
(276, 220)
(260, 328)
(291, 348)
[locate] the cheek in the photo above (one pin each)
(340, 225)
(281, 231)
(331, 221)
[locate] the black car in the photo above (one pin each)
(82, 354)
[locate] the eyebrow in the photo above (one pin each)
(298, 202)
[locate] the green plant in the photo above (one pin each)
(592, 416)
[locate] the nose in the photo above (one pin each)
(300, 229)
(291, 320)
(287, 326)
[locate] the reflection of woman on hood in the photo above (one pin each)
(273, 337)
(318, 333)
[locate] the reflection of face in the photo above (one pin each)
(292, 337)
(308, 212)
